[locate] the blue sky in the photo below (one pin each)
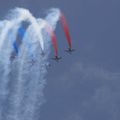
(85, 85)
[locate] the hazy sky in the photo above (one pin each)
(86, 84)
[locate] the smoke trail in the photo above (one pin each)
(22, 82)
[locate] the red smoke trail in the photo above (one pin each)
(53, 38)
(66, 30)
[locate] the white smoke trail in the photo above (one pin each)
(37, 85)
(22, 82)
(7, 37)
(26, 15)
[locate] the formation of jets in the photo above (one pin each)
(50, 30)
(69, 50)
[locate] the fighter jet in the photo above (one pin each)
(42, 54)
(32, 62)
(69, 50)
(12, 57)
(56, 58)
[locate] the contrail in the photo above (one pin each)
(21, 88)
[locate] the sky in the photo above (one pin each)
(84, 85)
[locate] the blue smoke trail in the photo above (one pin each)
(21, 88)
(21, 32)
